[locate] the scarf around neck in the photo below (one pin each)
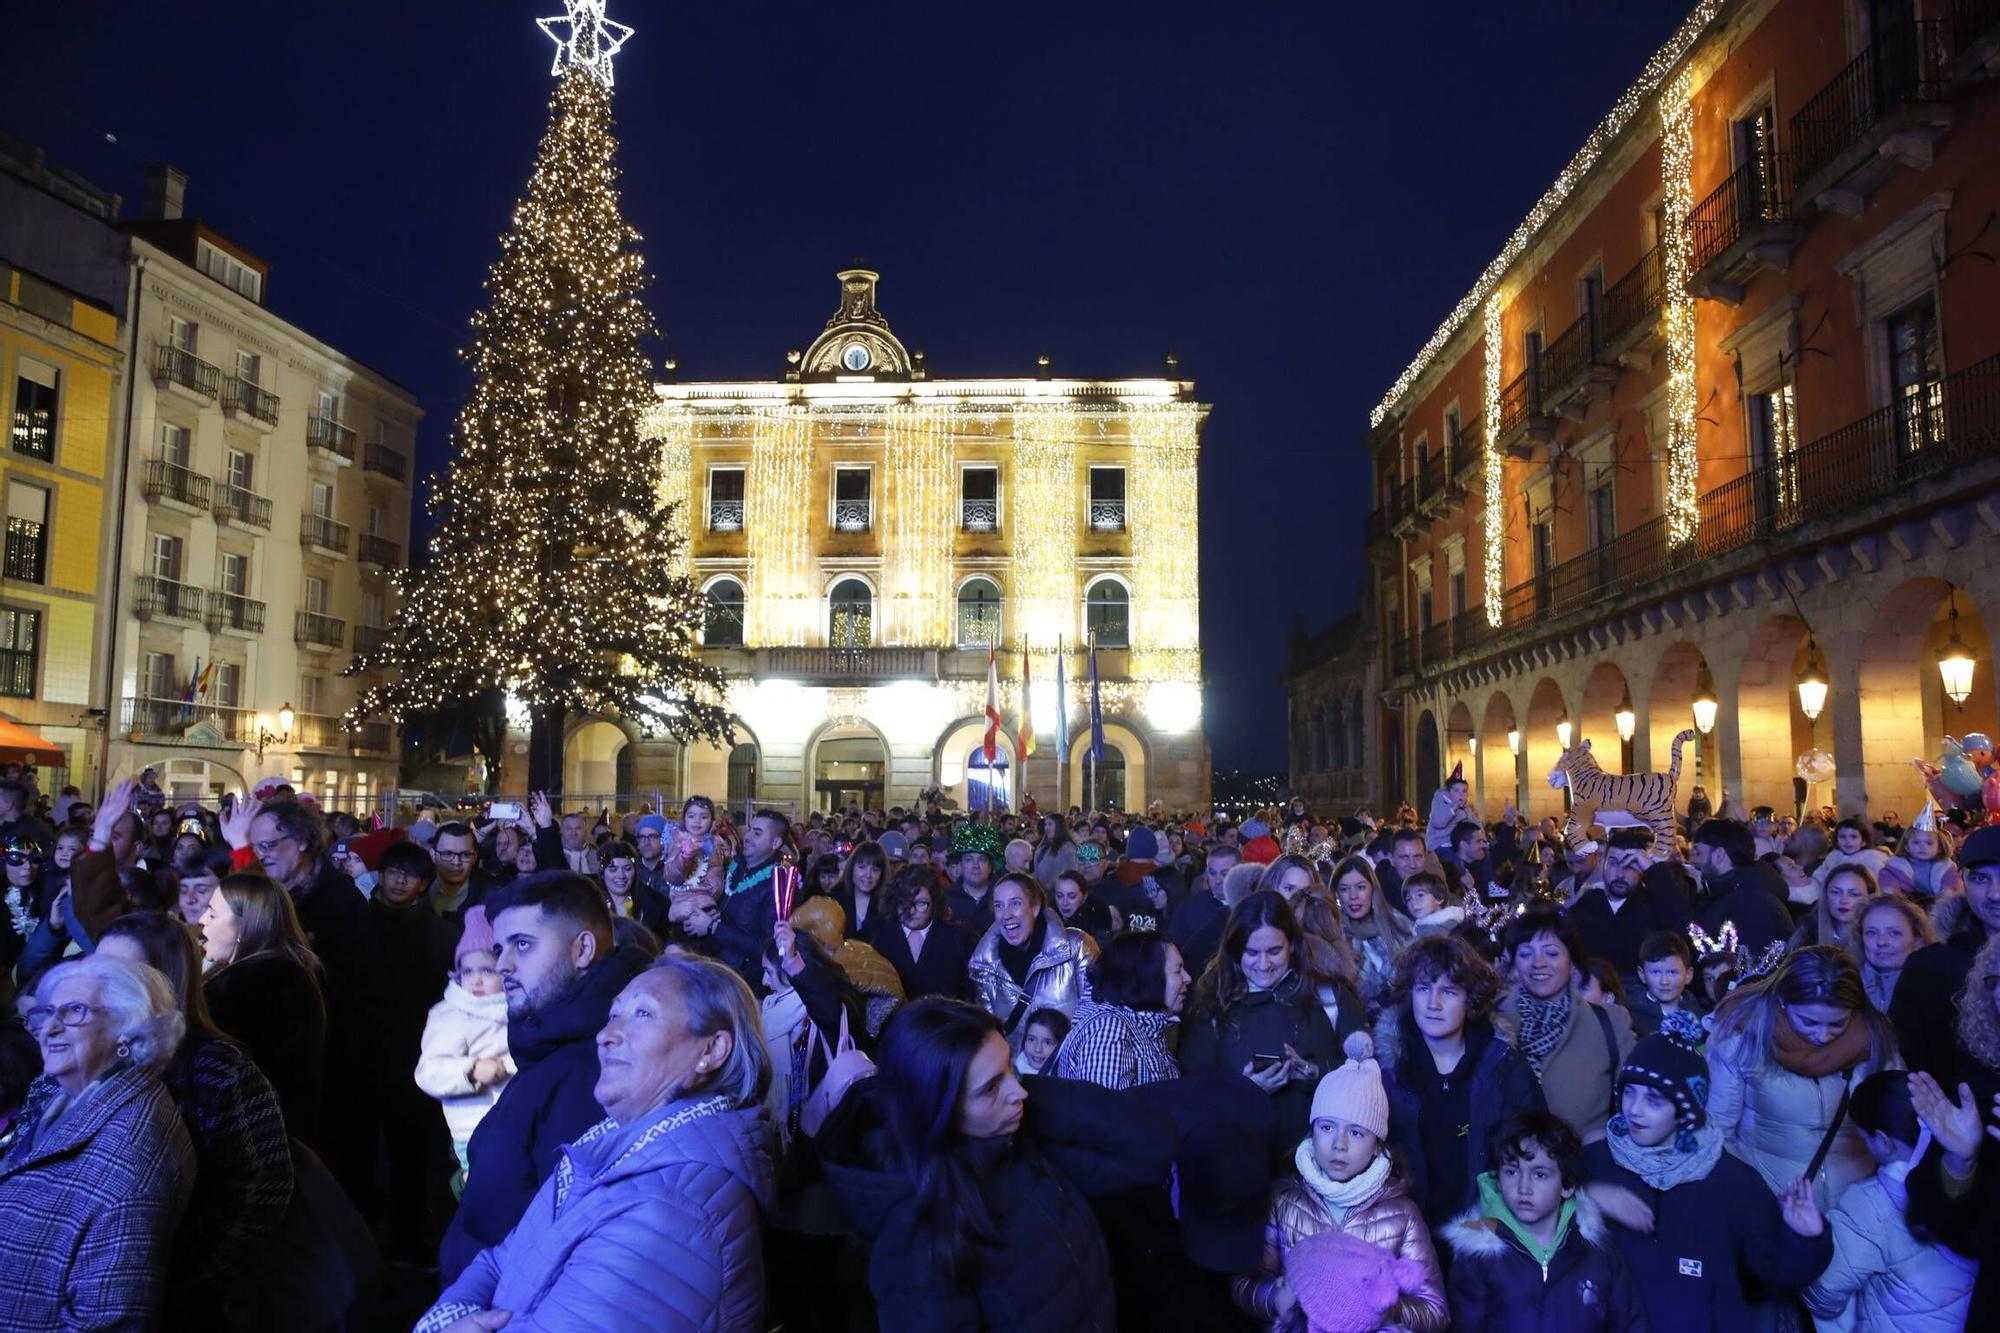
(1794, 1053)
(1689, 1155)
(1340, 1196)
(1540, 1025)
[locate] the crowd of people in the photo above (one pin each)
(919, 1070)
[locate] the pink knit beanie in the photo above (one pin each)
(1354, 1093)
(476, 936)
(1346, 1285)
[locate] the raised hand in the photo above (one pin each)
(236, 823)
(1801, 1214)
(538, 809)
(1955, 1125)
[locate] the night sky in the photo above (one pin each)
(1290, 197)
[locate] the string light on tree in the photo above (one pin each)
(591, 41)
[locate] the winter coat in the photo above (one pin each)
(1047, 1271)
(1264, 1023)
(91, 1203)
(939, 970)
(1389, 1220)
(548, 1103)
(1752, 898)
(1055, 977)
(1049, 866)
(462, 1030)
(650, 1225)
(1886, 1279)
(744, 924)
(1577, 1075)
(1502, 1084)
(1196, 927)
(1656, 904)
(1937, 878)
(1774, 1119)
(1924, 1008)
(359, 1013)
(274, 1006)
(1497, 1286)
(1708, 1237)
(1116, 1047)
(1874, 858)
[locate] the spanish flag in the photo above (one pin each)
(1024, 732)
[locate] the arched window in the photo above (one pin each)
(978, 614)
(1105, 778)
(722, 614)
(1107, 614)
(986, 782)
(851, 615)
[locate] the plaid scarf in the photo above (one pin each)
(1540, 1025)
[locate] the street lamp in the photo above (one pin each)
(1704, 702)
(1472, 746)
(1812, 683)
(1563, 731)
(283, 736)
(1955, 662)
(1626, 718)
(1514, 741)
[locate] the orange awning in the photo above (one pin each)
(18, 745)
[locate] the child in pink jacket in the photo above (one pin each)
(464, 1060)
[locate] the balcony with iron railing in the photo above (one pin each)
(1575, 371)
(852, 515)
(1743, 228)
(27, 550)
(323, 731)
(1632, 307)
(17, 673)
(244, 400)
(164, 719)
(185, 372)
(330, 438)
(313, 630)
(1107, 515)
(978, 515)
(1519, 409)
(368, 639)
(1403, 506)
(1468, 449)
(169, 598)
(725, 516)
(323, 533)
(170, 481)
(379, 551)
(833, 664)
(382, 461)
(230, 613)
(233, 504)
(1882, 113)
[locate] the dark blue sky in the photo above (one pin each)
(1288, 196)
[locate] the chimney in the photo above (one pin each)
(166, 188)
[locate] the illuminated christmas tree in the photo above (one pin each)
(557, 572)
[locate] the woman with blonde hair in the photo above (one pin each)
(264, 988)
(1376, 929)
(1892, 927)
(1330, 961)
(1784, 1053)
(1290, 875)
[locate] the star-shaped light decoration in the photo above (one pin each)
(593, 39)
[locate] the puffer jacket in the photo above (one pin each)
(1577, 1075)
(462, 1030)
(1774, 1120)
(1055, 975)
(92, 1202)
(649, 1225)
(1048, 1270)
(1938, 878)
(1884, 1278)
(1389, 1220)
(1498, 1287)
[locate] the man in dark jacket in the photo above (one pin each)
(553, 934)
(1636, 899)
(416, 948)
(748, 909)
(1925, 1006)
(973, 849)
(1741, 889)
(1196, 924)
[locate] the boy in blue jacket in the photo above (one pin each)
(1534, 1254)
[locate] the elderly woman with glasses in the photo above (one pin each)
(96, 1181)
(651, 1217)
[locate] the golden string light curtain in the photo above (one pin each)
(1166, 593)
(1044, 519)
(783, 601)
(917, 594)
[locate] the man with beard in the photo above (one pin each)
(557, 968)
(458, 885)
(749, 911)
(1636, 898)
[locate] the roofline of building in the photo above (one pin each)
(863, 391)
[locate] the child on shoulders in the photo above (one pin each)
(463, 1060)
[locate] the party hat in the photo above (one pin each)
(1927, 821)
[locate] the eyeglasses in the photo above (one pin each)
(266, 848)
(72, 1015)
(453, 856)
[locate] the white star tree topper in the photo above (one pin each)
(593, 39)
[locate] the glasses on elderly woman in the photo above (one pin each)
(73, 1015)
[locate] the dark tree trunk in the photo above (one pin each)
(545, 748)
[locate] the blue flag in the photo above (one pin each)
(1062, 709)
(1096, 711)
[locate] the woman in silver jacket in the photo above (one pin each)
(1028, 959)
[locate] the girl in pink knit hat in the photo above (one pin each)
(1346, 1182)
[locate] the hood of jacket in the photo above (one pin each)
(578, 1013)
(1476, 1232)
(1953, 916)
(1391, 1041)
(859, 1158)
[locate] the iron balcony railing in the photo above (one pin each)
(1107, 516)
(17, 673)
(246, 507)
(385, 462)
(882, 663)
(35, 433)
(325, 533)
(172, 365)
(27, 550)
(1756, 192)
(240, 395)
(167, 597)
(323, 731)
(171, 481)
(368, 639)
(1905, 64)
(851, 515)
(1516, 404)
(163, 718)
(377, 550)
(1632, 304)
(318, 630)
(328, 434)
(228, 611)
(978, 627)
(979, 515)
(725, 516)
(1569, 354)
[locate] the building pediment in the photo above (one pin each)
(857, 342)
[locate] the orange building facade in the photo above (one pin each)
(1723, 414)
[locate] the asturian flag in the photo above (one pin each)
(992, 705)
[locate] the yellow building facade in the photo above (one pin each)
(59, 363)
(864, 534)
